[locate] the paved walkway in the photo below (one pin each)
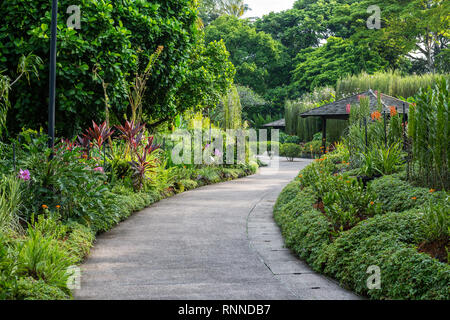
(216, 242)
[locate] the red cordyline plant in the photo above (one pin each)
(132, 133)
(141, 166)
(97, 134)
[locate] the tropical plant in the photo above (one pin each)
(380, 160)
(142, 166)
(97, 135)
(437, 217)
(42, 259)
(132, 133)
(10, 203)
(235, 8)
(429, 131)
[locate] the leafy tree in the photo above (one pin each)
(323, 66)
(113, 35)
(209, 78)
(208, 11)
(258, 58)
(296, 29)
(235, 8)
(252, 103)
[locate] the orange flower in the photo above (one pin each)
(372, 203)
(85, 156)
(58, 206)
(300, 176)
(348, 181)
(376, 115)
(44, 206)
(393, 111)
(414, 198)
(432, 190)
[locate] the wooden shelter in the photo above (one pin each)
(279, 124)
(339, 109)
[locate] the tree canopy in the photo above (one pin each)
(116, 38)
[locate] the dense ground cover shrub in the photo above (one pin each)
(404, 231)
(396, 195)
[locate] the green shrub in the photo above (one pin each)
(291, 151)
(79, 241)
(188, 184)
(397, 195)
(43, 259)
(288, 193)
(388, 241)
(379, 160)
(305, 230)
(116, 36)
(10, 203)
(31, 289)
(437, 216)
(405, 273)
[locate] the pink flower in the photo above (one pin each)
(24, 175)
(217, 153)
(99, 169)
(349, 107)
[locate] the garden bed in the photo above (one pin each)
(34, 264)
(395, 234)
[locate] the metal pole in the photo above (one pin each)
(404, 126)
(385, 131)
(52, 94)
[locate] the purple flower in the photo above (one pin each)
(24, 175)
(99, 169)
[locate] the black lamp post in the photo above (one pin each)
(52, 95)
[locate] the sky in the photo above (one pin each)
(262, 7)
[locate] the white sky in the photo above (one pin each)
(262, 7)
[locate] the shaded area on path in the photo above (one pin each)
(216, 242)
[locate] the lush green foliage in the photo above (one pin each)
(117, 40)
(323, 66)
(290, 151)
(430, 133)
(383, 238)
(257, 57)
(391, 83)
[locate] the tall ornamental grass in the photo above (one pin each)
(390, 83)
(429, 130)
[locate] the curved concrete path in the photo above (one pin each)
(216, 242)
